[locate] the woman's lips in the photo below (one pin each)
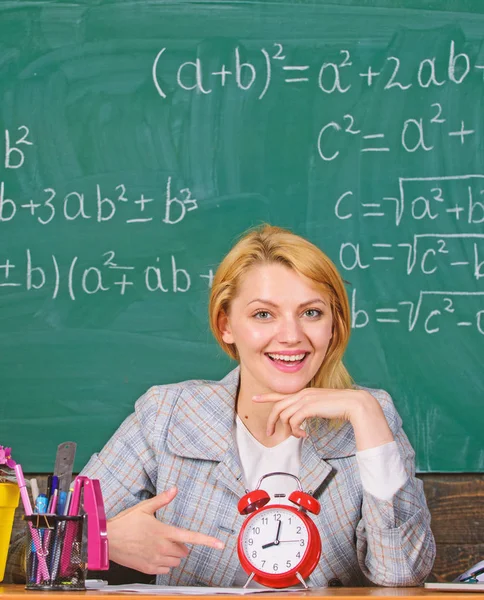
(287, 366)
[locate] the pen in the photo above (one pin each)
(44, 571)
(49, 484)
(61, 502)
(75, 497)
(472, 578)
(41, 509)
(54, 485)
(67, 503)
(56, 554)
(35, 488)
(23, 489)
(53, 503)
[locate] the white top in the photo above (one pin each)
(381, 469)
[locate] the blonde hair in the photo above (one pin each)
(268, 244)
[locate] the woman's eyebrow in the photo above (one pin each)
(313, 301)
(262, 301)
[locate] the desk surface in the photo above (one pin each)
(18, 592)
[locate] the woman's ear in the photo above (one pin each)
(224, 328)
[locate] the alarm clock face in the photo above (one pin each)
(275, 540)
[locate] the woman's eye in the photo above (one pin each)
(262, 314)
(313, 313)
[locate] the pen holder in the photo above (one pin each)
(56, 554)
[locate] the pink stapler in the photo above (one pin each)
(97, 539)
(97, 536)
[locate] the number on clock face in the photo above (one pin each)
(275, 540)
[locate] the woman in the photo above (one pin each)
(191, 450)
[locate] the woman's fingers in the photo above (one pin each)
(292, 410)
(293, 416)
(272, 397)
(185, 536)
(279, 407)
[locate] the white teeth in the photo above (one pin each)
(286, 358)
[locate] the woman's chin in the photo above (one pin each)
(288, 387)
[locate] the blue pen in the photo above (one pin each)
(54, 485)
(61, 502)
(41, 503)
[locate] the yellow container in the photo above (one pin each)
(9, 497)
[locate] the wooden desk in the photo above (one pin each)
(18, 592)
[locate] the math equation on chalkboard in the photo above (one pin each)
(426, 230)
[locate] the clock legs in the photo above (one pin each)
(251, 576)
(298, 575)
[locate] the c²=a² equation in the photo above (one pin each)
(337, 77)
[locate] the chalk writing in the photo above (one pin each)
(413, 134)
(100, 204)
(441, 200)
(431, 312)
(107, 275)
(330, 76)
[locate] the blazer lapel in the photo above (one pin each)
(326, 440)
(202, 421)
(202, 427)
(314, 469)
(229, 472)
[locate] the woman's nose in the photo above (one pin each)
(289, 331)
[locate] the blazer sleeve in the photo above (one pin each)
(395, 544)
(126, 466)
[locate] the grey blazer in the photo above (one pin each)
(182, 434)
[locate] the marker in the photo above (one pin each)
(44, 571)
(56, 552)
(54, 485)
(51, 509)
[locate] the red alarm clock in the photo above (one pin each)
(279, 545)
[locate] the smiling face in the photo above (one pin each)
(281, 325)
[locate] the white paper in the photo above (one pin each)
(456, 587)
(146, 588)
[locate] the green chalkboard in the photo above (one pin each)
(138, 139)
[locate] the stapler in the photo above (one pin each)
(473, 575)
(93, 509)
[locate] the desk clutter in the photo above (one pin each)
(66, 530)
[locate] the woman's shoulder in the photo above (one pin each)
(159, 397)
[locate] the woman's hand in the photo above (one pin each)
(139, 541)
(358, 407)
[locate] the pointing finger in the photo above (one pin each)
(186, 536)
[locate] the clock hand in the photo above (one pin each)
(276, 541)
(278, 531)
(269, 545)
(284, 541)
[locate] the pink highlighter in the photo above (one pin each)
(43, 569)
